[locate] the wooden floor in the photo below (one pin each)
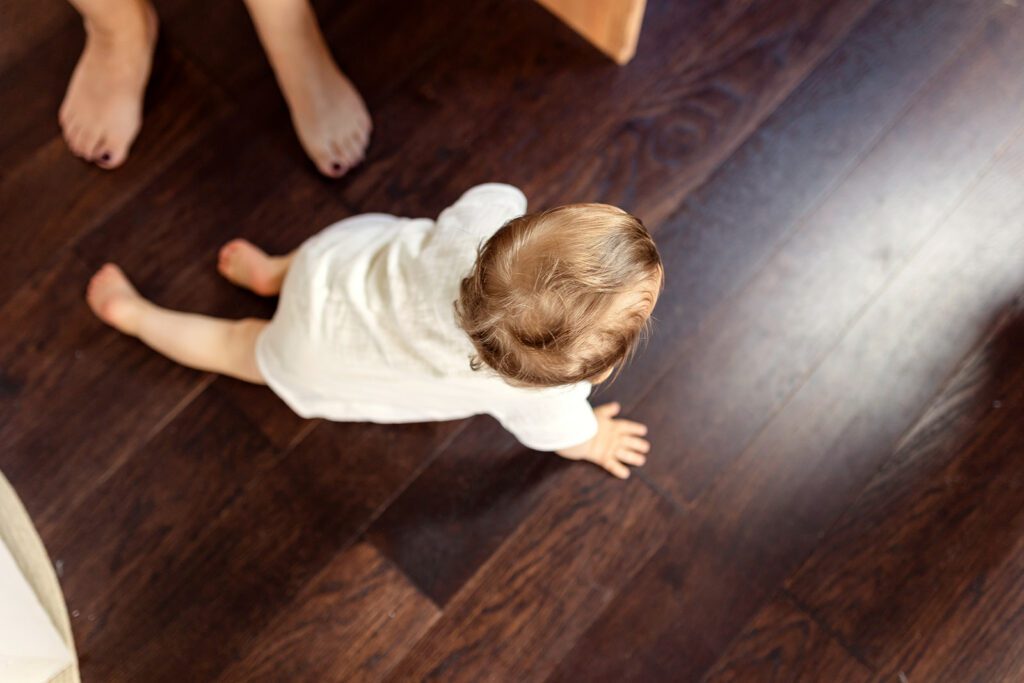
(835, 388)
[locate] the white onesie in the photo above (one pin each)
(365, 329)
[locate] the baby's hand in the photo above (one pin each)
(617, 443)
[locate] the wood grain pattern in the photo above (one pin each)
(519, 614)
(940, 523)
(800, 472)
(826, 275)
(462, 507)
(678, 615)
(782, 643)
(77, 400)
(729, 227)
(725, 42)
(153, 507)
(80, 196)
(24, 26)
(836, 190)
(765, 511)
(272, 539)
(696, 113)
(353, 622)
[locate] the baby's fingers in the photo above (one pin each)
(636, 444)
(630, 427)
(616, 468)
(631, 457)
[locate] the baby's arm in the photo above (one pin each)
(617, 443)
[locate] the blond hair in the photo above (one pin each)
(560, 296)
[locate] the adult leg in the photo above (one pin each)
(216, 345)
(102, 109)
(327, 111)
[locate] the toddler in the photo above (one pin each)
(487, 310)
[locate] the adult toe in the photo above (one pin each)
(112, 153)
(73, 136)
(331, 162)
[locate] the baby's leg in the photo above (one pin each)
(227, 347)
(327, 111)
(102, 109)
(248, 266)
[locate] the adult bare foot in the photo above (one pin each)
(327, 111)
(114, 300)
(248, 266)
(102, 109)
(330, 118)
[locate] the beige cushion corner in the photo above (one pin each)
(20, 537)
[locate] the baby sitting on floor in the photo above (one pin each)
(385, 319)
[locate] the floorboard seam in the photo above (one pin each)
(399, 490)
(957, 367)
(912, 254)
(800, 222)
(828, 630)
(677, 507)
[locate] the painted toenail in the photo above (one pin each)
(105, 157)
(336, 167)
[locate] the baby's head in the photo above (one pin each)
(561, 296)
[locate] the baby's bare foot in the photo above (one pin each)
(114, 300)
(102, 109)
(327, 111)
(248, 266)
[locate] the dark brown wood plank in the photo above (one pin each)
(823, 285)
(352, 622)
(153, 507)
(462, 507)
(766, 47)
(694, 115)
(941, 579)
(234, 186)
(729, 227)
(79, 196)
(77, 398)
(203, 200)
(26, 25)
(678, 614)
(980, 638)
(762, 346)
(39, 82)
(522, 611)
(156, 237)
(379, 50)
(783, 643)
(198, 606)
(772, 496)
(823, 446)
(208, 199)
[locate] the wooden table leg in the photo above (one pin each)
(613, 26)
